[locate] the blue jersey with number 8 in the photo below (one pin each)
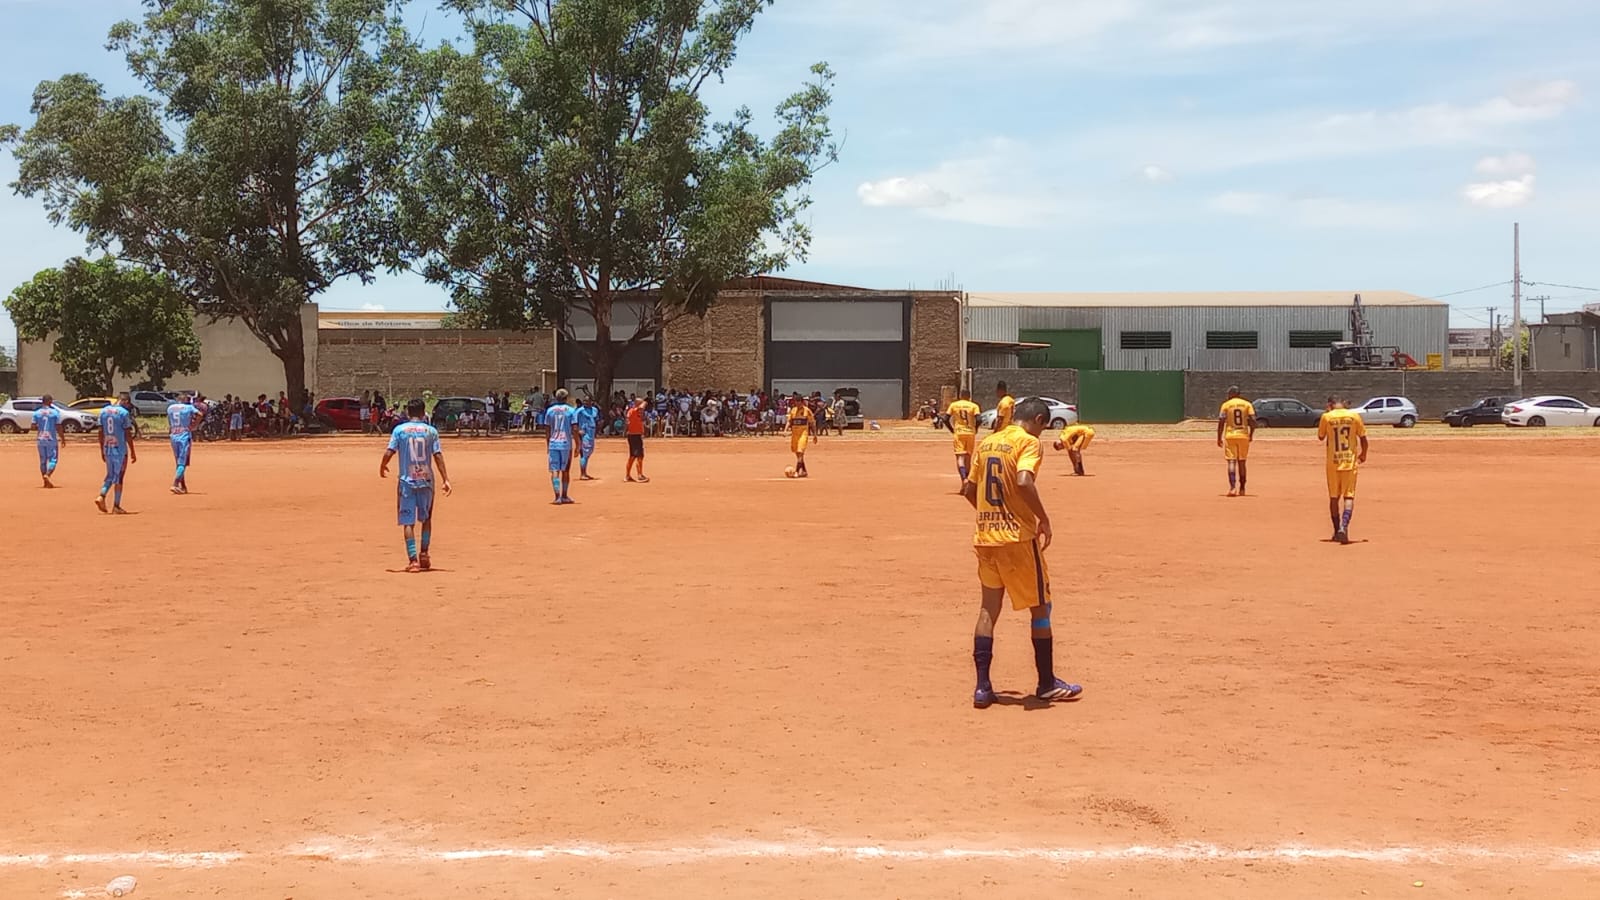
(415, 443)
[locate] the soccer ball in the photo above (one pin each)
(789, 472)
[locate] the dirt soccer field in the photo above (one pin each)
(727, 684)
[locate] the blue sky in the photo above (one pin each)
(1116, 144)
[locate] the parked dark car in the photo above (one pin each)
(449, 409)
(1285, 412)
(1484, 412)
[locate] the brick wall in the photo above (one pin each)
(1058, 384)
(1433, 392)
(935, 346)
(406, 362)
(721, 351)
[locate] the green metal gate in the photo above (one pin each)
(1070, 348)
(1130, 397)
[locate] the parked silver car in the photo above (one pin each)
(17, 415)
(152, 403)
(1396, 411)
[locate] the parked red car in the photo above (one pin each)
(344, 413)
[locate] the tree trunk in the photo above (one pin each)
(604, 358)
(293, 355)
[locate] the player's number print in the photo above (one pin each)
(1341, 438)
(993, 491)
(1238, 417)
(418, 451)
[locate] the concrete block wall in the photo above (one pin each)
(405, 362)
(1058, 384)
(1433, 392)
(723, 350)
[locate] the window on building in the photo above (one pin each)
(1230, 340)
(1314, 340)
(1146, 340)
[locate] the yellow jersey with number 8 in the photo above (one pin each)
(1342, 430)
(1236, 416)
(1002, 516)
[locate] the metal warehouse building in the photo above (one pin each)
(1226, 331)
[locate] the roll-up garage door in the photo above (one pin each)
(823, 344)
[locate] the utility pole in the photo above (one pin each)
(1494, 340)
(1516, 308)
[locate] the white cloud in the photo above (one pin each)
(1513, 163)
(909, 193)
(372, 307)
(1500, 194)
(1155, 174)
(998, 183)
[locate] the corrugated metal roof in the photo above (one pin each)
(1202, 298)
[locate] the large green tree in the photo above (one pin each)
(110, 323)
(573, 166)
(255, 168)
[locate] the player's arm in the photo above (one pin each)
(1363, 456)
(133, 443)
(950, 419)
(1322, 427)
(444, 476)
(1222, 420)
(1361, 432)
(1028, 489)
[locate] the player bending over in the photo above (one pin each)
(1012, 534)
(587, 420)
(181, 419)
(561, 428)
(1075, 439)
(1236, 426)
(962, 420)
(116, 448)
(417, 443)
(1346, 437)
(47, 423)
(799, 433)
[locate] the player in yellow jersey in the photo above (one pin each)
(962, 420)
(1346, 437)
(1236, 425)
(799, 433)
(1005, 406)
(1012, 534)
(1075, 439)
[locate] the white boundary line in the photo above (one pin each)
(348, 850)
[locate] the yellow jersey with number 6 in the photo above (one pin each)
(1342, 430)
(1002, 516)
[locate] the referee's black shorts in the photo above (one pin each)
(636, 446)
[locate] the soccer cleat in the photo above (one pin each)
(100, 502)
(565, 501)
(983, 698)
(424, 562)
(1233, 492)
(1342, 536)
(117, 510)
(413, 566)
(1061, 691)
(176, 489)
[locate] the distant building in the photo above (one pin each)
(1565, 342)
(1472, 348)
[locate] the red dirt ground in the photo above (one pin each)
(725, 655)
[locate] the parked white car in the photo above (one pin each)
(1061, 415)
(1537, 412)
(17, 415)
(1396, 411)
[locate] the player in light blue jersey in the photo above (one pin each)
(116, 448)
(587, 418)
(182, 417)
(417, 444)
(561, 426)
(47, 422)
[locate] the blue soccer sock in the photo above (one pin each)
(1344, 520)
(427, 538)
(118, 499)
(52, 468)
(961, 469)
(411, 548)
(181, 470)
(1233, 477)
(555, 484)
(982, 656)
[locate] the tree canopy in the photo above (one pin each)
(255, 169)
(111, 323)
(572, 165)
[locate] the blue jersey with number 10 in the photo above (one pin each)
(415, 443)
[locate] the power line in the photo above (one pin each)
(1470, 290)
(1570, 287)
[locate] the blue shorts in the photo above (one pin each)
(180, 450)
(116, 466)
(49, 451)
(560, 458)
(415, 504)
(586, 446)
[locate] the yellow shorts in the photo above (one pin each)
(965, 444)
(1236, 448)
(1081, 441)
(1341, 484)
(798, 438)
(1019, 569)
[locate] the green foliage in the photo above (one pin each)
(1506, 360)
(254, 169)
(572, 165)
(110, 322)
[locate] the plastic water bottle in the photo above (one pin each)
(121, 886)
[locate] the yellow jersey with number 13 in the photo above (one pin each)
(1342, 429)
(1002, 516)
